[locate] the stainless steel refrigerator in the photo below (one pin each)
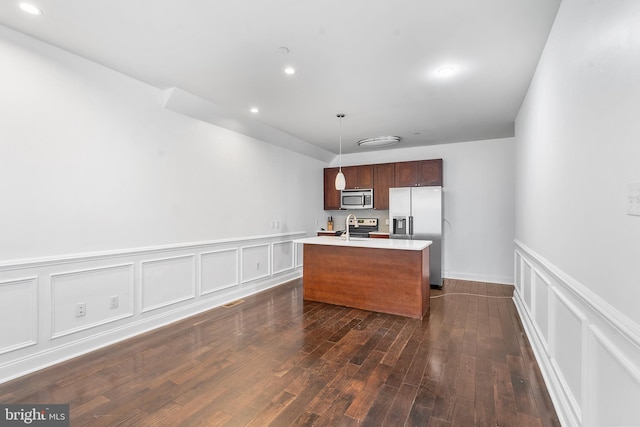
(416, 213)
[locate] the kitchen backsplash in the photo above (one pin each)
(339, 218)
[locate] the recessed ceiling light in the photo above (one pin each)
(30, 8)
(255, 110)
(290, 70)
(283, 50)
(379, 141)
(446, 71)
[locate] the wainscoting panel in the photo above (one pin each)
(18, 314)
(588, 352)
(218, 270)
(299, 252)
(255, 262)
(615, 392)
(94, 288)
(518, 272)
(283, 256)
(567, 352)
(167, 281)
(526, 283)
(540, 306)
(154, 286)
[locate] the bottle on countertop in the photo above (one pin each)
(330, 224)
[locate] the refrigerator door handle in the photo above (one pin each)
(411, 225)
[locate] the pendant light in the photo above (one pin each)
(341, 183)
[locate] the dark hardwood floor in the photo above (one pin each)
(276, 360)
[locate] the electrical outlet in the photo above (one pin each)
(81, 309)
(257, 266)
(114, 301)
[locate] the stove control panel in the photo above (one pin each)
(364, 222)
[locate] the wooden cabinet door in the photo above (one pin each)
(418, 173)
(331, 195)
(355, 177)
(406, 174)
(383, 179)
(429, 172)
(358, 176)
(365, 176)
(350, 176)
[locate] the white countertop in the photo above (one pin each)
(359, 242)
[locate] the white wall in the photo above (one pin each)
(478, 204)
(90, 161)
(578, 251)
(105, 193)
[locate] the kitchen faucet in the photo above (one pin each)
(346, 225)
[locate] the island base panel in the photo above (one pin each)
(383, 280)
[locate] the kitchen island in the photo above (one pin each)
(382, 275)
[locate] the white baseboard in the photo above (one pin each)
(474, 277)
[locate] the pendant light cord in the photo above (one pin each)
(340, 116)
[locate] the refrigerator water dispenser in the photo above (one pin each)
(399, 225)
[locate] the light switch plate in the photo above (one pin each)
(633, 199)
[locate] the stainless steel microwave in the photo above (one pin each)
(357, 199)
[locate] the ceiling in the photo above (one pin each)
(376, 61)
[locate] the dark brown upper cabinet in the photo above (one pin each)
(358, 176)
(381, 177)
(331, 195)
(383, 180)
(418, 173)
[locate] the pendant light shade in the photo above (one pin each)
(341, 183)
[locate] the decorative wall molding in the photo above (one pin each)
(283, 258)
(625, 326)
(616, 389)
(218, 270)
(19, 264)
(155, 286)
(92, 286)
(588, 352)
(299, 249)
(567, 340)
(19, 309)
(255, 260)
(540, 307)
(167, 281)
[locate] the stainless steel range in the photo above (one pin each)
(365, 226)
